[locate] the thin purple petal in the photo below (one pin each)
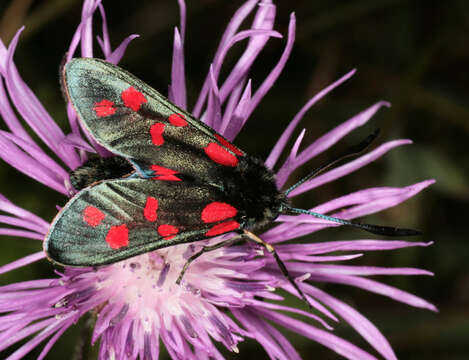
(22, 262)
(378, 288)
(105, 42)
(236, 21)
(178, 77)
(118, 53)
(213, 116)
(348, 168)
(237, 102)
(34, 151)
(275, 73)
(347, 245)
(282, 141)
(33, 112)
(360, 323)
(23, 162)
(329, 340)
(327, 140)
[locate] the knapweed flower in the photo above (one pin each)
(228, 294)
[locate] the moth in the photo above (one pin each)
(172, 179)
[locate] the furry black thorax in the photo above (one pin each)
(253, 191)
(96, 169)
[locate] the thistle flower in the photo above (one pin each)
(137, 300)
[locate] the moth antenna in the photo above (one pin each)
(374, 229)
(280, 264)
(353, 151)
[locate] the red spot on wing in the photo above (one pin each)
(177, 120)
(228, 145)
(167, 231)
(133, 98)
(150, 209)
(156, 132)
(163, 173)
(223, 228)
(220, 155)
(93, 216)
(118, 236)
(217, 211)
(104, 108)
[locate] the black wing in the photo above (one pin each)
(132, 120)
(118, 219)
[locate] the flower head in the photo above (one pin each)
(227, 294)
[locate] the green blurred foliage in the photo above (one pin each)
(411, 53)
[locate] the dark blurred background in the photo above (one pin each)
(414, 54)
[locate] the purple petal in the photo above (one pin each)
(213, 116)
(31, 284)
(231, 122)
(340, 346)
(383, 203)
(19, 335)
(348, 245)
(328, 269)
(315, 259)
(271, 306)
(33, 112)
(22, 262)
(20, 160)
(36, 152)
(31, 344)
(8, 115)
(238, 75)
(78, 142)
(53, 340)
(118, 53)
(333, 136)
(7, 206)
(254, 34)
(26, 224)
(182, 17)
(360, 323)
(373, 194)
(378, 288)
(236, 21)
(86, 27)
(288, 165)
(259, 329)
(282, 342)
(178, 77)
(3, 56)
(240, 114)
(73, 120)
(282, 141)
(327, 140)
(21, 233)
(351, 166)
(275, 73)
(105, 42)
(83, 34)
(360, 203)
(263, 21)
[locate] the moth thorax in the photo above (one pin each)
(97, 169)
(254, 192)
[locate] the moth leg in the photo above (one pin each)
(207, 249)
(280, 263)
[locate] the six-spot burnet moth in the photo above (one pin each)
(173, 179)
